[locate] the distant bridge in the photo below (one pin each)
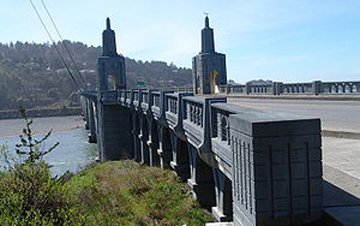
(280, 88)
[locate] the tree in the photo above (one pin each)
(28, 145)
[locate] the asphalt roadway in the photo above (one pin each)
(341, 156)
(335, 115)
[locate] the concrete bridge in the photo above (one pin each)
(249, 166)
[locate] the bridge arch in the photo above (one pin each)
(354, 88)
(340, 88)
(334, 88)
(347, 88)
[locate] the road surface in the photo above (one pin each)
(334, 115)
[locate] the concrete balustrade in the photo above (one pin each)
(279, 88)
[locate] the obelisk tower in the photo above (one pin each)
(114, 121)
(209, 67)
(111, 65)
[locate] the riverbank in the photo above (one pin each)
(41, 112)
(110, 193)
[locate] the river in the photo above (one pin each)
(73, 152)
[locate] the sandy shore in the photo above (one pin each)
(13, 127)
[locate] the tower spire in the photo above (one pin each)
(109, 45)
(207, 38)
(207, 21)
(108, 23)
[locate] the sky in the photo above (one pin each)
(280, 40)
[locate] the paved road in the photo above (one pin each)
(335, 115)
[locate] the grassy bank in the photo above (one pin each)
(111, 193)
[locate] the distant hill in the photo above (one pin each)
(33, 74)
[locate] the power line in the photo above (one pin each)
(62, 41)
(56, 48)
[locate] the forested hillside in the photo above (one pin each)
(34, 75)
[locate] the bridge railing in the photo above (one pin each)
(193, 121)
(221, 137)
(145, 100)
(306, 88)
(341, 87)
(122, 97)
(172, 109)
(297, 88)
(129, 97)
(109, 96)
(156, 103)
(259, 89)
(137, 99)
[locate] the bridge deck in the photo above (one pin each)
(341, 170)
(335, 115)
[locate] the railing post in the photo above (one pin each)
(316, 87)
(277, 171)
(274, 88)
(248, 88)
(279, 88)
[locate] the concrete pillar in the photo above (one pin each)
(228, 88)
(136, 133)
(164, 150)
(86, 112)
(274, 88)
(277, 88)
(144, 148)
(91, 120)
(153, 144)
(201, 180)
(180, 159)
(115, 141)
(223, 194)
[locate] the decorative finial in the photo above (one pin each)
(206, 19)
(108, 23)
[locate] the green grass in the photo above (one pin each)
(110, 193)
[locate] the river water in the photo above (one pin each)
(73, 152)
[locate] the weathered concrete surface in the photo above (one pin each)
(335, 115)
(342, 180)
(342, 154)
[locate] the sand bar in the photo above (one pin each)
(13, 127)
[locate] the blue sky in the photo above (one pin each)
(281, 40)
